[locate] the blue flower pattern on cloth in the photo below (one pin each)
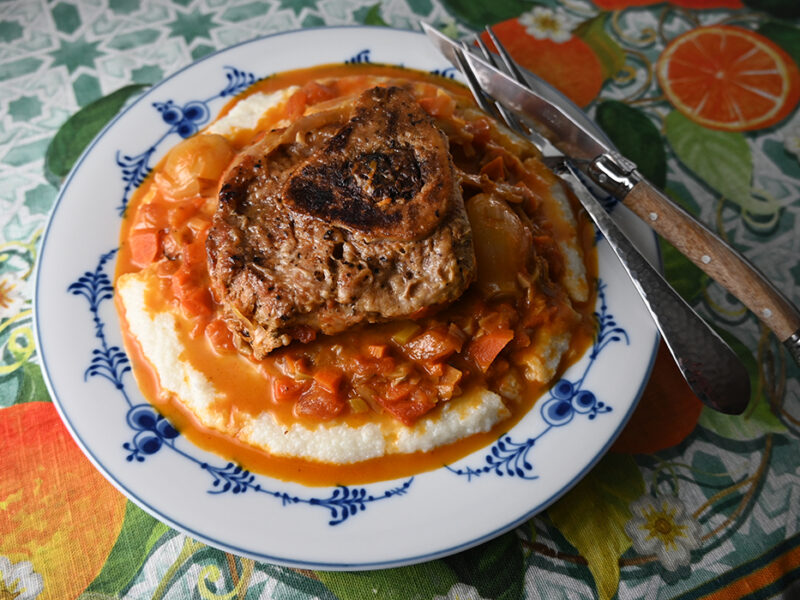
(153, 431)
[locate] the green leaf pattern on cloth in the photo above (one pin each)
(80, 129)
(634, 134)
(416, 582)
(610, 53)
(723, 160)
(607, 490)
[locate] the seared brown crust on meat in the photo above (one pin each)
(349, 215)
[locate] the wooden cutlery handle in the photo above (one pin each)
(716, 258)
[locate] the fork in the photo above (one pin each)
(712, 370)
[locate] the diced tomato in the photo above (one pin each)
(286, 389)
(145, 247)
(296, 105)
(195, 300)
(152, 215)
(436, 369)
(387, 364)
(407, 402)
(483, 350)
(316, 92)
(189, 286)
(448, 382)
(433, 345)
(303, 334)
(399, 391)
(316, 403)
(193, 255)
(181, 212)
(220, 336)
(500, 316)
(480, 129)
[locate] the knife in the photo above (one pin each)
(556, 120)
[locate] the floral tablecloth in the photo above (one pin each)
(688, 503)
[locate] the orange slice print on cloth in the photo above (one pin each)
(57, 512)
(570, 66)
(729, 78)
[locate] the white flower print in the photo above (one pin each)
(791, 140)
(661, 526)
(11, 298)
(461, 591)
(18, 580)
(545, 23)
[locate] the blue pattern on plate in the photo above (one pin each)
(109, 362)
(185, 120)
(360, 57)
(154, 432)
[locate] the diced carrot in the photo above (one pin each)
(436, 369)
(377, 350)
(494, 169)
(440, 105)
(329, 379)
(286, 389)
(483, 350)
(145, 247)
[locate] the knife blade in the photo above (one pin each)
(537, 104)
(618, 175)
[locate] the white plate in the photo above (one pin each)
(357, 527)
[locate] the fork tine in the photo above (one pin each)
(509, 63)
(510, 119)
(519, 125)
(480, 96)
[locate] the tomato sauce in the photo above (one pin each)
(398, 371)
